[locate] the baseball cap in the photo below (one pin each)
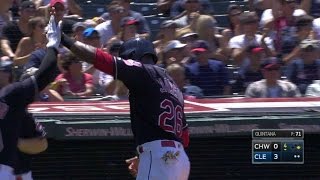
(174, 44)
(6, 65)
(87, 33)
(248, 17)
(77, 25)
(168, 23)
(193, 34)
(128, 21)
(257, 50)
(270, 63)
(27, 4)
(54, 2)
(309, 43)
(200, 46)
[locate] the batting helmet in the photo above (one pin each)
(136, 48)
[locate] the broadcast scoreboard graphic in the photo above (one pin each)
(277, 146)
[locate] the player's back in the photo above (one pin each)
(156, 106)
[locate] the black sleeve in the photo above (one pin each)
(31, 128)
(23, 93)
(46, 73)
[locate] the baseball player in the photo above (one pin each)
(31, 129)
(156, 106)
(14, 99)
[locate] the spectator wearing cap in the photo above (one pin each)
(111, 27)
(250, 73)
(181, 7)
(91, 37)
(78, 29)
(177, 73)
(306, 68)
(167, 33)
(143, 27)
(128, 30)
(240, 44)
(174, 52)
(290, 48)
(36, 39)
(210, 75)
(271, 86)
(70, 7)
(14, 31)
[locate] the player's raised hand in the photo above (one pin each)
(53, 31)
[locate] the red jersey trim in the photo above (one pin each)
(104, 62)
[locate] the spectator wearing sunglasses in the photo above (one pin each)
(271, 86)
(35, 40)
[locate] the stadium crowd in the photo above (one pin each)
(270, 48)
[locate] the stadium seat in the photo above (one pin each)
(223, 20)
(220, 7)
(104, 2)
(93, 10)
(145, 9)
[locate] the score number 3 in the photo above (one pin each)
(171, 119)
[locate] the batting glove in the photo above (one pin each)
(53, 33)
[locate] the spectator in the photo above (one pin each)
(281, 19)
(271, 86)
(250, 73)
(166, 34)
(306, 68)
(234, 11)
(316, 29)
(210, 75)
(143, 27)
(128, 29)
(70, 7)
(290, 48)
(5, 15)
(311, 7)
(73, 82)
(6, 76)
(174, 52)
(14, 31)
(110, 27)
(313, 90)
(178, 8)
(205, 27)
(91, 37)
(191, 7)
(177, 73)
(78, 29)
(242, 43)
(35, 40)
(164, 6)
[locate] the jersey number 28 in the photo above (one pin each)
(170, 119)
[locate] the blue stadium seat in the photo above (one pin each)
(145, 9)
(220, 7)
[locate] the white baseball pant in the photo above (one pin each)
(163, 160)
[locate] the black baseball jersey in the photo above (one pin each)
(14, 100)
(156, 103)
(30, 129)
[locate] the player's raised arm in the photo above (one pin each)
(26, 90)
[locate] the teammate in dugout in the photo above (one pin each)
(14, 118)
(156, 106)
